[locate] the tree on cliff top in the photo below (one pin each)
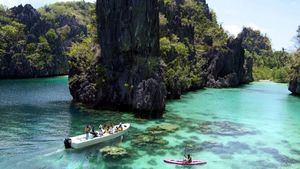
(268, 64)
(255, 42)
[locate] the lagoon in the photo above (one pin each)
(251, 127)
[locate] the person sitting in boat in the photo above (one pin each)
(100, 133)
(120, 127)
(93, 132)
(106, 130)
(188, 158)
(87, 130)
(111, 126)
(111, 130)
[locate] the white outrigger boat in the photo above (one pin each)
(80, 141)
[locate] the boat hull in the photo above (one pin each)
(80, 141)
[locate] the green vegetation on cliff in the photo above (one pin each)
(35, 43)
(296, 65)
(183, 42)
(268, 64)
(275, 67)
(294, 83)
(83, 54)
(79, 10)
(195, 52)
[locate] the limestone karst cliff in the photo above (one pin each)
(129, 75)
(294, 83)
(34, 44)
(152, 50)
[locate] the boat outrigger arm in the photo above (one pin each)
(81, 141)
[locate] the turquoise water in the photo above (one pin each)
(253, 127)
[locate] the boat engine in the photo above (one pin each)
(68, 143)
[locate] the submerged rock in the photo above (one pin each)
(262, 164)
(295, 151)
(152, 162)
(227, 149)
(225, 128)
(153, 138)
(164, 128)
(114, 152)
(279, 157)
(150, 141)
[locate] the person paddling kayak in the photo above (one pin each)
(188, 158)
(186, 161)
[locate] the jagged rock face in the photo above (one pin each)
(294, 84)
(27, 15)
(175, 25)
(128, 75)
(129, 38)
(227, 66)
(221, 69)
(76, 29)
(14, 62)
(253, 41)
(148, 95)
(175, 14)
(248, 67)
(35, 26)
(174, 90)
(30, 17)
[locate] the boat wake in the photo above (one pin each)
(54, 152)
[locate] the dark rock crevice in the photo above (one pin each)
(227, 66)
(294, 84)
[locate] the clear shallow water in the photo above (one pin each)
(256, 126)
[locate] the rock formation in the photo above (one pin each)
(129, 38)
(227, 66)
(254, 41)
(129, 74)
(132, 69)
(36, 48)
(114, 152)
(294, 84)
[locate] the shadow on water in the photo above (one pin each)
(296, 95)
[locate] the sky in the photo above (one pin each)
(278, 19)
